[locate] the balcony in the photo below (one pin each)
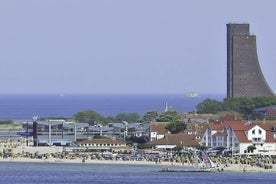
(257, 140)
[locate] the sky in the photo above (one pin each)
(126, 46)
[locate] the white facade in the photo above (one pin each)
(155, 136)
(255, 136)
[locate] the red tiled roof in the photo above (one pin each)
(271, 112)
(235, 125)
(240, 127)
(269, 137)
(264, 126)
(241, 136)
(216, 126)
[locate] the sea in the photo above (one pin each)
(68, 173)
(25, 107)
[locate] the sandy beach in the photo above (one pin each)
(240, 168)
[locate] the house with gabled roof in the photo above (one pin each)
(266, 111)
(237, 136)
(158, 130)
(196, 129)
(170, 141)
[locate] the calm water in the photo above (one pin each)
(33, 173)
(24, 107)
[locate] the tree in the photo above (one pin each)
(241, 105)
(89, 116)
(201, 148)
(128, 117)
(251, 148)
(168, 116)
(176, 126)
(142, 146)
(209, 106)
(150, 116)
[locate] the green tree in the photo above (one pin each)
(5, 122)
(201, 148)
(240, 105)
(251, 148)
(209, 106)
(168, 116)
(176, 126)
(150, 116)
(89, 116)
(110, 119)
(128, 117)
(142, 146)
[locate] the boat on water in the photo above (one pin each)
(192, 95)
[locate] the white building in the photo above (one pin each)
(237, 136)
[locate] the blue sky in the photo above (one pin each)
(126, 46)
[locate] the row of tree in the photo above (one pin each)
(90, 116)
(237, 106)
(174, 118)
(242, 106)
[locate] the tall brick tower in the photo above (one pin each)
(244, 75)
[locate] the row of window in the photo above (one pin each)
(100, 145)
(254, 132)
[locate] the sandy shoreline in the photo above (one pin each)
(238, 168)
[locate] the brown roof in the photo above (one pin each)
(238, 125)
(229, 118)
(159, 127)
(216, 126)
(268, 122)
(271, 112)
(199, 116)
(224, 134)
(176, 139)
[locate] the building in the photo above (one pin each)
(158, 130)
(170, 141)
(102, 144)
(244, 75)
(196, 129)
(269, 111)
(236, 136)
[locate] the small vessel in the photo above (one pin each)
(192, 95)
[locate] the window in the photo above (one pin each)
(260, 132)
(253, 132)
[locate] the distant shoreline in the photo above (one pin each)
(25, 107)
